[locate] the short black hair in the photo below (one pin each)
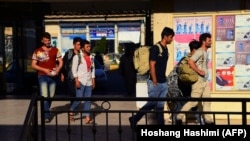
(77, 39)
(167, 32)
(194, 44)
(84, 42)
(204, 36)
(46, 35)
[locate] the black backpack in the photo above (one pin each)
(173, 87)
(68, 58)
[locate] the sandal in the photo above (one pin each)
(88, 120)
(71, 117)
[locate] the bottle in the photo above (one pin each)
(53, 72)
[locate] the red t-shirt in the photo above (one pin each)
(87, 58)
(46, 59)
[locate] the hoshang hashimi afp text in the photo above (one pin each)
(177, 132)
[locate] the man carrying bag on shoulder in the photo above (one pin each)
(200, 88)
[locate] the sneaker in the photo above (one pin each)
(47, 120)
(132, 123)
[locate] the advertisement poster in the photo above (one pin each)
(225, 59)
(225, 28)
(233, 51)
(98, 33)
(242, 77)
(242, 82)
(242, 45)
(188, 29)
(224, 46)
(224, 78)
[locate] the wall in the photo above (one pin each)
(166, 19)
(54, 30)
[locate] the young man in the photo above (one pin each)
(157, 83)
(84, 74)
(66, 75)
(127, 69)
(44, 60)
(200, 88)
(187, 88)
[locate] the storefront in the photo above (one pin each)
(115, 33)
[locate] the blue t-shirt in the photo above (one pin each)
(161, 62)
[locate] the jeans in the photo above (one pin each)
(83, 91)
(179, 105)
(47, 87)
(158, 91)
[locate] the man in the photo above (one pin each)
(157, 83)
(44, 60)
(66, 75)
(127, 69)
(200, 88)
(84, 75)
(186, 88)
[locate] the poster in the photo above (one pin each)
(188, 29)
(225, 59)
(98, 33)
(225, 28)
(233, 51)
(224, 78)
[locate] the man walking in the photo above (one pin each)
(66, 75)
(199, 63)
(84, 75)
(157, 83)
(44, 60)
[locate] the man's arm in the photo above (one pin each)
(38, 68)
(152, 71)
(195, 68)
(74, 71)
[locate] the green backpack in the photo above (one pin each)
(186, 73)
(141, 59)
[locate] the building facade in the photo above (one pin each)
(227, 21)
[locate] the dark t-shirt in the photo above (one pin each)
(67, 63)
(161, 62)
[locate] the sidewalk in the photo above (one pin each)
(13, 113)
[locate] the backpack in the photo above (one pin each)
(173, 88)
(68, 63)
(141, 59)
(186, 73)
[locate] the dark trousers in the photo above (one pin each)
(71, 91)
